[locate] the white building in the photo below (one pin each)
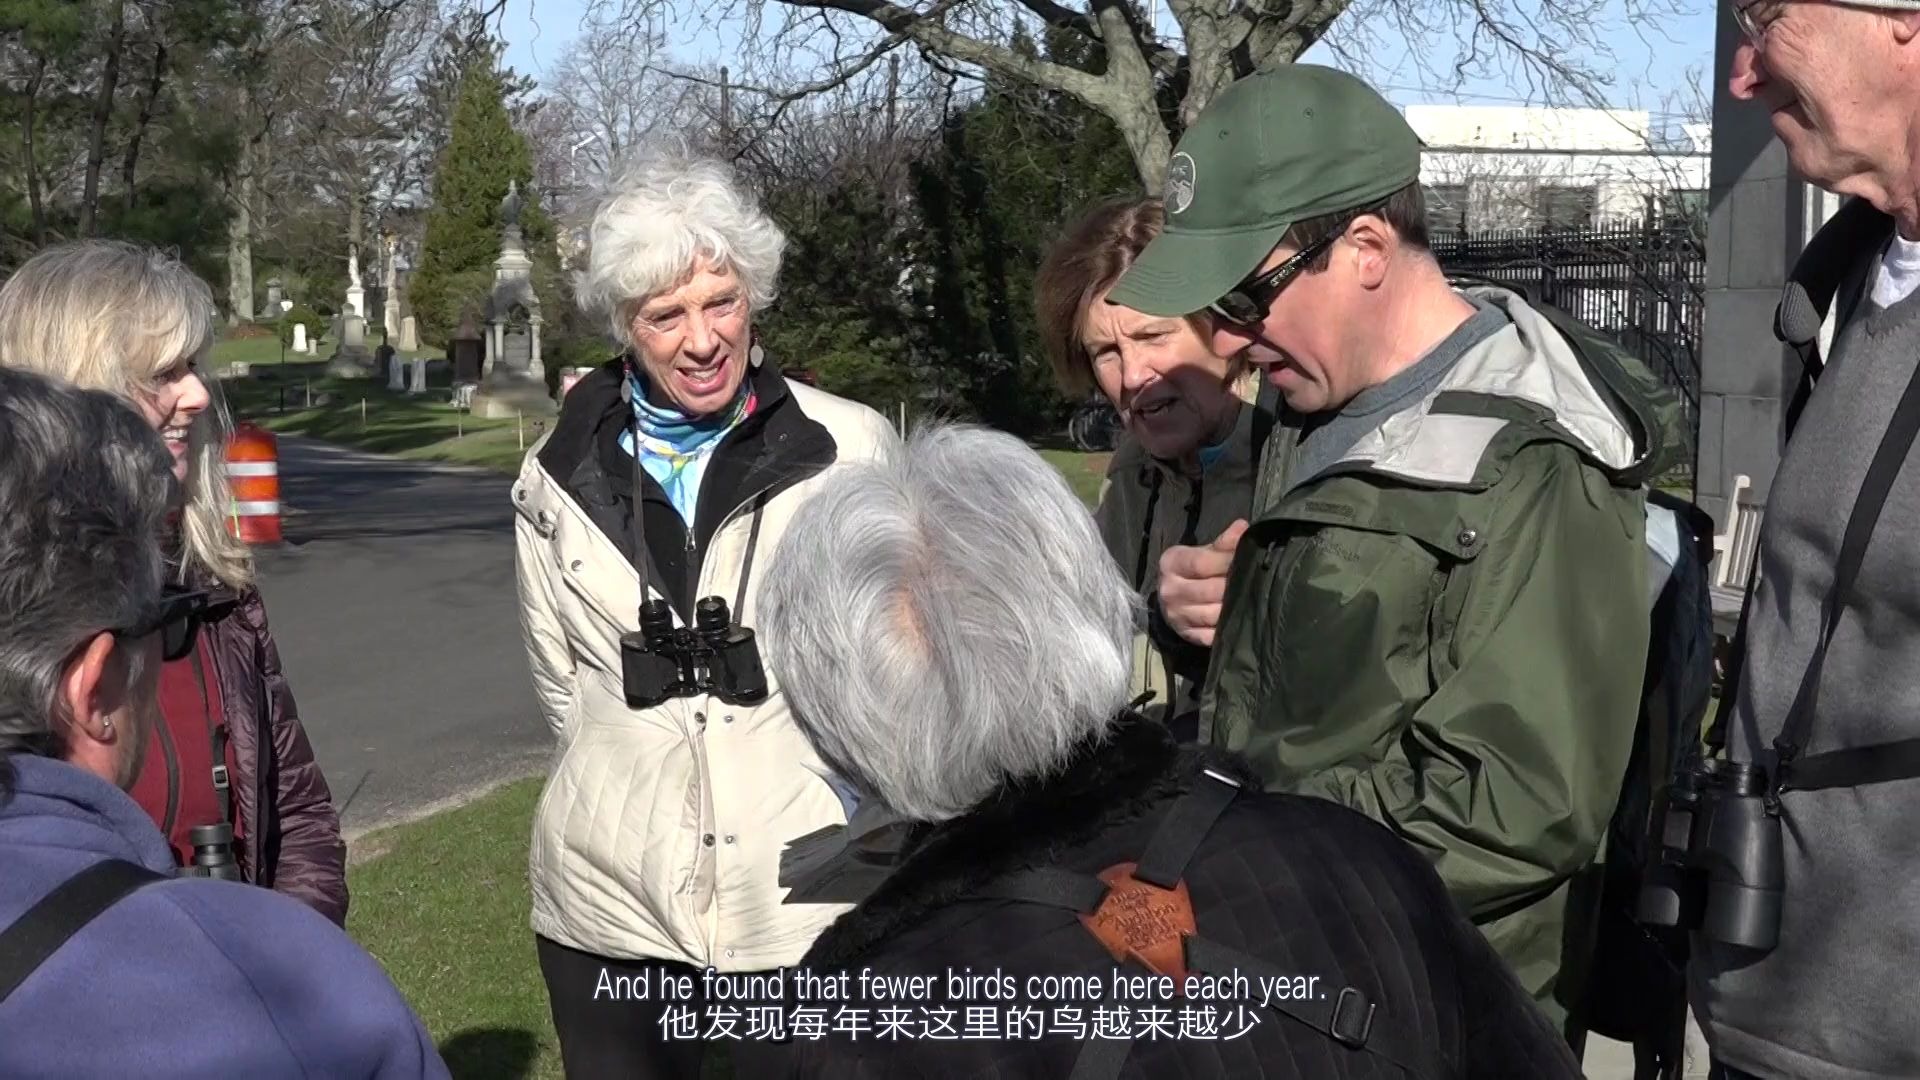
(1522, 167)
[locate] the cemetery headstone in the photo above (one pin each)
(300, 337)
(385, 362)
(352, 359)
(409, 335)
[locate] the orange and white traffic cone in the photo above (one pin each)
(253, 472)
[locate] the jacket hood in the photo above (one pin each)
(1562, 393)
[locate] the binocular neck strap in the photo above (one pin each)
(641, 557)
(1881, 473)
(217, 734)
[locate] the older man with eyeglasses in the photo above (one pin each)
(1438, 615)
(1823, 690)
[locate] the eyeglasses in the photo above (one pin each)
(1753, 18)
(176, 619)
(1248, 302)
(1752, 25)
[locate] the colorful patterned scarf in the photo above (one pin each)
(676, 447)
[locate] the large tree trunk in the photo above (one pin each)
(31, 108)
(1147, 138)
(148, 105)
(240, 244)
(102, 116)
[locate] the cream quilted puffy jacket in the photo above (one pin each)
(659, 834)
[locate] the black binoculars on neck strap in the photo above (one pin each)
(713, 656)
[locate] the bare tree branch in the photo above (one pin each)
(933, 34)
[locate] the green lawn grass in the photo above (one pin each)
(1083, 470)
(443, 906)
(301, 399)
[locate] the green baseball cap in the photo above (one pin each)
(1274, 148)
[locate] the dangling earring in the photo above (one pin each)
(756, 354)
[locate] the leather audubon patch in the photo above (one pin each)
(1144, 921)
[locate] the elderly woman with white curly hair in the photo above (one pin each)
(955, 641)
(644, 516)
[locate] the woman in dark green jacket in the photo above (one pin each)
(1184, 468)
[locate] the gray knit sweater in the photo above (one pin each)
(1840, 996)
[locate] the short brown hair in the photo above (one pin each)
(1087, 259)
(1405, 210)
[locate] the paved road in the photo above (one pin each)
(394, 609)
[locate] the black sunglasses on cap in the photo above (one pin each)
(1247, 303)
(176, 619)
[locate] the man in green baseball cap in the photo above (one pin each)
(1275, 150)
(1439, 614)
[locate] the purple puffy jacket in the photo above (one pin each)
(293, 843)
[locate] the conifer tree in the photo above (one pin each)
(484, 155)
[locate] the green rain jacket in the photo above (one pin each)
(1447, 630)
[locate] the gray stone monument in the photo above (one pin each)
(352, 359)
(300, 337)
(397, 374)
(417, 377)
(356, 293)
(409, 334)
(273, 295)
(513, 379)
(390, 293)
(1761, 215)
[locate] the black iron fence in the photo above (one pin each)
(1640, 283)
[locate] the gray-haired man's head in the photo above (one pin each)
(85, 486)
(946, 620)
(1841, 84)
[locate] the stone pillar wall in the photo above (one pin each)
(1756, 227)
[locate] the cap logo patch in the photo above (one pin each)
(1180, 181)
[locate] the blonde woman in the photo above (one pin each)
(130, 320)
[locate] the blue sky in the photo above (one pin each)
(538, 32)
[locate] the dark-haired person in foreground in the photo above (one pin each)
(170, 977)
(955, 642)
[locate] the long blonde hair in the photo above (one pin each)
(109, 315)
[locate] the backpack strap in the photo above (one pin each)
(1172, 846)
(1860, 765)
(1347, 1017)
(62, 913)
(1051, 887)
(1828, 268)
(1185, 827)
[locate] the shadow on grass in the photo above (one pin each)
(491, 1053)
